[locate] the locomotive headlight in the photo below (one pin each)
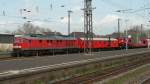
(129, 36)
(17, 47)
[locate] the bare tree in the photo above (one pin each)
(8, 32)
(29, 28)
(44, 30)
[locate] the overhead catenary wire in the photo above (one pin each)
(132, 11)
(114, 4)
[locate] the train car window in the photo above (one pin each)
(105, 42)
(57, 41)
(60, 41)
(129, 40)
(48, 41)
(25, 40)
(144, 42)
(40, 41)
(30, 41)
(100, 42)
(20, 40)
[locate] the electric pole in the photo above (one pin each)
(126, 34)
(148, 40)
(69, 14)
(141, 30)
(119, 27)
(137, 35)
(88, 24)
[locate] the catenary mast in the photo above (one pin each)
(88, 25)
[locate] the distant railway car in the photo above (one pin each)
(6, 42)
(148, 42)
(131, 43)
(145, 42)
(100, 43)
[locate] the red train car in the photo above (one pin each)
(99, 43)
(145, 42)
(27, 45)
(132, 44)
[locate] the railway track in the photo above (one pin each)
(7, 56)
(12, 58)
(99, 76)
(147, 81)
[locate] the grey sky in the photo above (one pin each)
(48, 13)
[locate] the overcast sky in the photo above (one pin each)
(49, 13)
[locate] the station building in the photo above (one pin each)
(6, 42)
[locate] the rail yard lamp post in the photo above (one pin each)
(69, 21)
(119, 34)
(126, 21)
(69, 16)
(148, 40)
(148, 37)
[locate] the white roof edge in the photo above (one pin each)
(106, 39)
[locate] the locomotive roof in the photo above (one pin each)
(51, 37)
